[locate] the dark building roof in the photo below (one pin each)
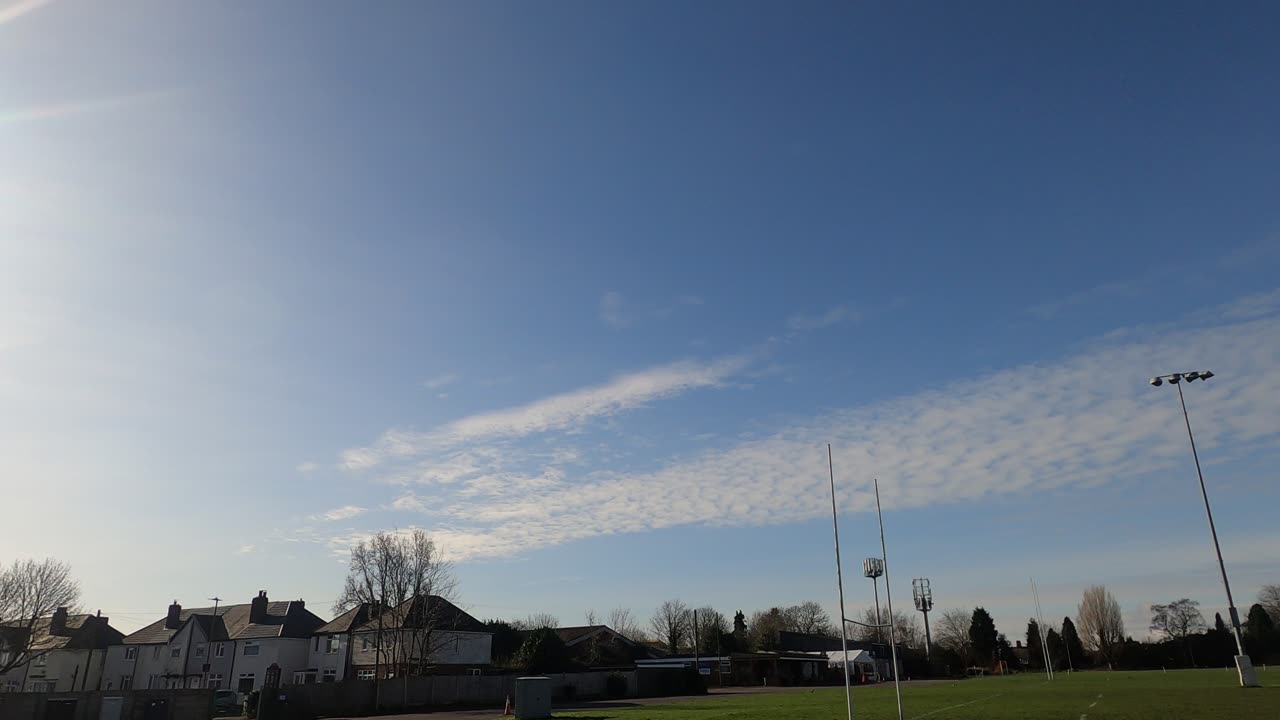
(417, 612)
(347, 621)
(288, 618)
(78, 632)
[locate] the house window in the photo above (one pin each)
(193, 683)
(126, 682)
(364, 675)
(331, 645)
(44, 685)
(130, 653)
(200, 651)
(245, 683)
(42, 660)
(175, 651)
(155, 653)
(329, 675)
(215, 681)
(251, 649)
(154, 682)
(218, 650)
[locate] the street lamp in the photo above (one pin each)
(1248, 677)
(923, 596)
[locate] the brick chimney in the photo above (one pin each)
(58, 623)
(258, 608)
(174, 619)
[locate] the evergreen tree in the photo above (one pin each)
(983, 636)
(1259, 622)
(1071, 644)
(1035, 651)
(1057, 649)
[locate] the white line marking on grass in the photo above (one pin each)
(953, 707)
(1095, 702)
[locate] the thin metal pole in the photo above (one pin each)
(875, 587)
(844, 633)
(1044, 641)
(1231, 604)
(888, 598)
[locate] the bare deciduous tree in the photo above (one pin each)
(809, 618)
(625, 624)
(764, 627)
(951, 631)
(1178, 620)
(389, 570)
(906, 628)
(711, 624)
(670, 624)
(31, 590)
(592, 618)
(1100, 622)
(1269, 598)
(537, 621)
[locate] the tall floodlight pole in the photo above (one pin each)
(873, 568)
(844, 634)
(923, 596)
(888, 598)
(1248, 677)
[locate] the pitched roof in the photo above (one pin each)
(353, 618)
(415, 611)
(80, 632)
(287, 618)
(570, 635)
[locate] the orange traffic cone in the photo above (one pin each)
(507, 710)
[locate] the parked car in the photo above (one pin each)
(226, 702)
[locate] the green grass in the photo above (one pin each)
(1180, 695)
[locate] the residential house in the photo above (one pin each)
(231, 647)
(600, 646)
(68, 652)
(331, 647)
(422, 634)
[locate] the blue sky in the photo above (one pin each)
(585, 288)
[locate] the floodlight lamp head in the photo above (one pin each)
(1206, 374)
(1174, 378)
(1156, 382)
(872, 568)
(1193, 375)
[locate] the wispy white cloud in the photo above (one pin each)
(1084, 421)
(611, 312)
(53, 111)
(245, 549)
(306, 468)
(832, 316)
(15, 10)
(346, 512)
(440, 381)
(559, 412)
(617, 312)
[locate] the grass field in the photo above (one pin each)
(1176, 695)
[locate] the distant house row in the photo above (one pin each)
(232, 646)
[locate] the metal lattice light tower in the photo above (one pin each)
(873, 568)
(924, 603)
(1248, 677)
